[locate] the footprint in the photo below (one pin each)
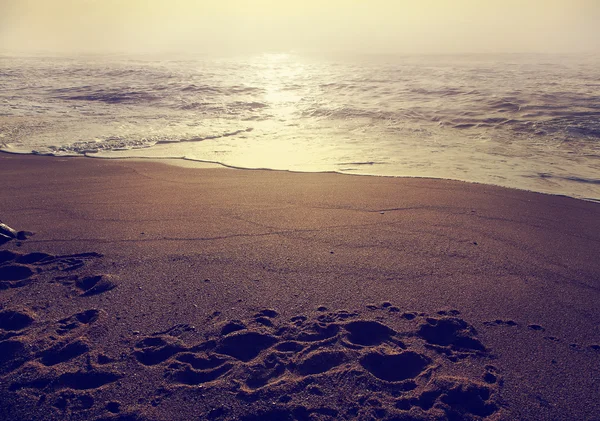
(14, 320)
(7, 256)
(458, 398)
(261, 375)
(191, 376)
(327, 318)
(345, 314)
(320, 362)
(536, 327)
(300, 319)
(15, 272)
(67, 263)
(289, 346)
(13, 354)
(154, 350)
(84, 380)
(201, 362)
(318, 332)
(76, 320)
(73, 402)
(104, 359)
(232, 326)
(265, 321)
(80, 380)
(452, 332)
(268, 312)
(465, 398)
(395, 367)
(368, 333)
(448, 312)
(276, 370)
(63, 352)
(94, 285)
(245, 346)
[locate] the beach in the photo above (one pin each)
(154, 292)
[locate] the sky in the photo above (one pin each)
(240, 26)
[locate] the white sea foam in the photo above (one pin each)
(522, 121)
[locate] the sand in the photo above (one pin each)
(155, 292)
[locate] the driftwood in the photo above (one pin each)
(7, 233)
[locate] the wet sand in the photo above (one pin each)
(155, 292)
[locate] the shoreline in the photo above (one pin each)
(206, 164)
(156, 292)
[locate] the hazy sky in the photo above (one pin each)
(217, 26)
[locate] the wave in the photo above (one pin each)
(347, 113)
(361, 163)
(228, 110)
(200, 89)
(115, 96)
(210, 137)
(223, 90)
(530, 120)
(573, 178)
(116, 143)
(443, 92)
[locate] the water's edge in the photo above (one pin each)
(207, 164)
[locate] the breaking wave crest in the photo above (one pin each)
(125, 144)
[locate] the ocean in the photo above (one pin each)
(525, 121)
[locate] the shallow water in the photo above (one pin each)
(525, 121)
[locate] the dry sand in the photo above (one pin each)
(153, 292)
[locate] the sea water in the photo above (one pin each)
(524, 121)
